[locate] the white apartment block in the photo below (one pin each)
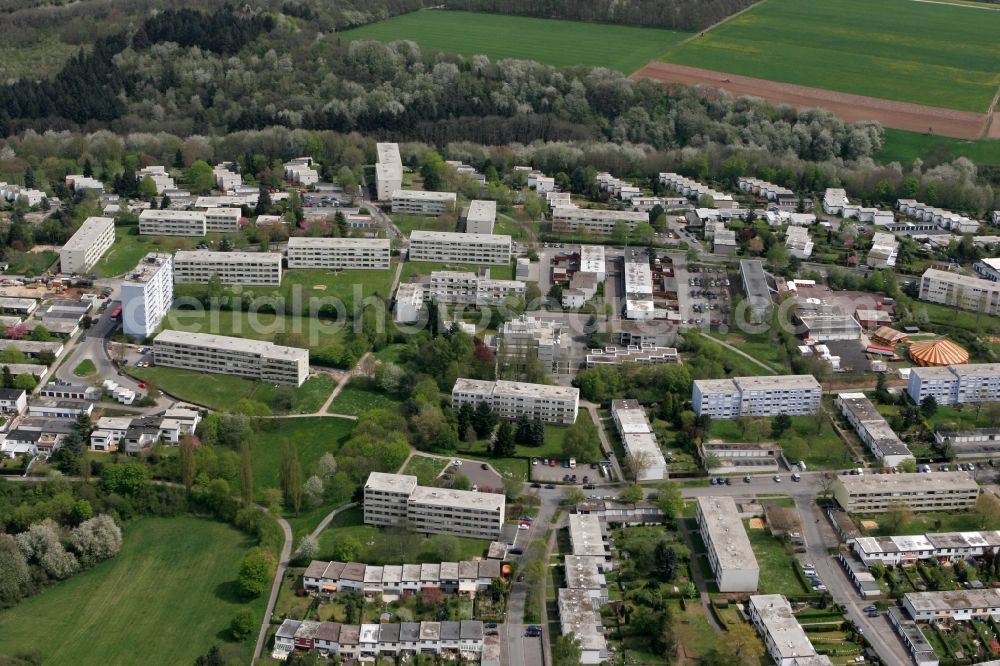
(454, 248)
(159, 176)
(955, 605)
(462, 287)
(765, 190)
(638, 439)
(397, 500)
(525, 338)
(599, 221)
(729, 550)
(338, 253)
(592, 260)
(834, 200)
(225, 178)
(418, 202)
(85, 248)
(300, 171)
(80, 182)
(147, 295)
(883, 252)
(541, 183)
(159, 222)
(481, 217)
(945, 219)
(955, 384)
(552, 404)
(756, 396)
(967, 292)
(873, 429)
(876, 493)
(222, 220)
(11, 192)
(219, 354)
(388, 170)
(785, 639)
(243, 268)
(409, 304)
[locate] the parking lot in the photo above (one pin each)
(708, 291)
(548, 474)
(481, 479)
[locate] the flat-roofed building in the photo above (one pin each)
(955, 605)
(579, 619)
(968, 292)
(600, 221)
(338, 253)
(409, 303)
(467, 288)
(419, 202)
(459, 512)
(592, 260)
(876, 493)
(638, 287)
(644, 355)
(22, 306)
(799, 242)
(785, 639)
(640, 443)
(908, 549)
(388, 170)
(757, 396)
(147, 295)
(454, 248)
(243, 268)
(873, 429)
(584, 573)
(527, 339)
(978, 443)
(756, 288)
(955, 384)
(883, 252)
(167, 222)
(225, 355)
(85, 247)
(222, 220)
(481, 217)
(913, 638)
(587, 539)
(729, 550)
(551, 404)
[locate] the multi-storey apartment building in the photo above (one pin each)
(480, 217)
(955, 384)
(388, 170)
(873, 429)
(638, 439)
(455, 248)
(396, 499)
(160, 222)
(599, 221)
(225, 355)
(338, 253)
(222, 220)
(729, 550)
(967, 292)
(527, 339)
(552, 404)
(876, 493)
(418, 202)
(785, 639)
(244, 268)
(84, 248)
(147, 294)
(756, 396)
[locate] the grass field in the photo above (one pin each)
(359, 396)
(85, 368)
(222, 391)
(31, 263)
(825, 449)
(130, 247)
(168, 596)
(414, 268)
(902, 146)
(312, 437)
(408, 223)
(560, 43)
(936, 54)
(777, 575)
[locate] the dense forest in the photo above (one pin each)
(687, 15)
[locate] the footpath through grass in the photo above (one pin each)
(550, 41)
(168, 596)
(925, 53)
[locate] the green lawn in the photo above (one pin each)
(825, 449)
(414, 268)
(30, 263)
(222, 391)
(130, 247)
(735, 364)
(560, 43)
(168, 596)
(926, 53)
(311, 436)
(902, 146)
(777, 572)
(425, 468)
(359, 396)
(408, 223)
(386, 546)
(924, 522)
(85, 368)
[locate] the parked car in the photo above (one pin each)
(777, 479)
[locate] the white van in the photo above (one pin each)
(572, 463)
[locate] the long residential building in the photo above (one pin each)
(338, 253)
(757, 290)
(397, 500)
(85, 247)
(419, 202)
(692, 189)
(147, 295)
(222, 220)
(955, 384)
(242, 268)
(167, 222)
(955, 605)
(785, 639)
(967, 292)
(219, 354)
(638, 440)
(877, 493)
(729, 550)
(509, 400)
(388, 170)
(873, 429)
(467, 288)
(599, 221)
(454, 248)
(757, 396)
(640, 355)
(909, 549)
(330, 578)
(638, 287)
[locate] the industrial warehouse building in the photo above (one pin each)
(225, 355)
